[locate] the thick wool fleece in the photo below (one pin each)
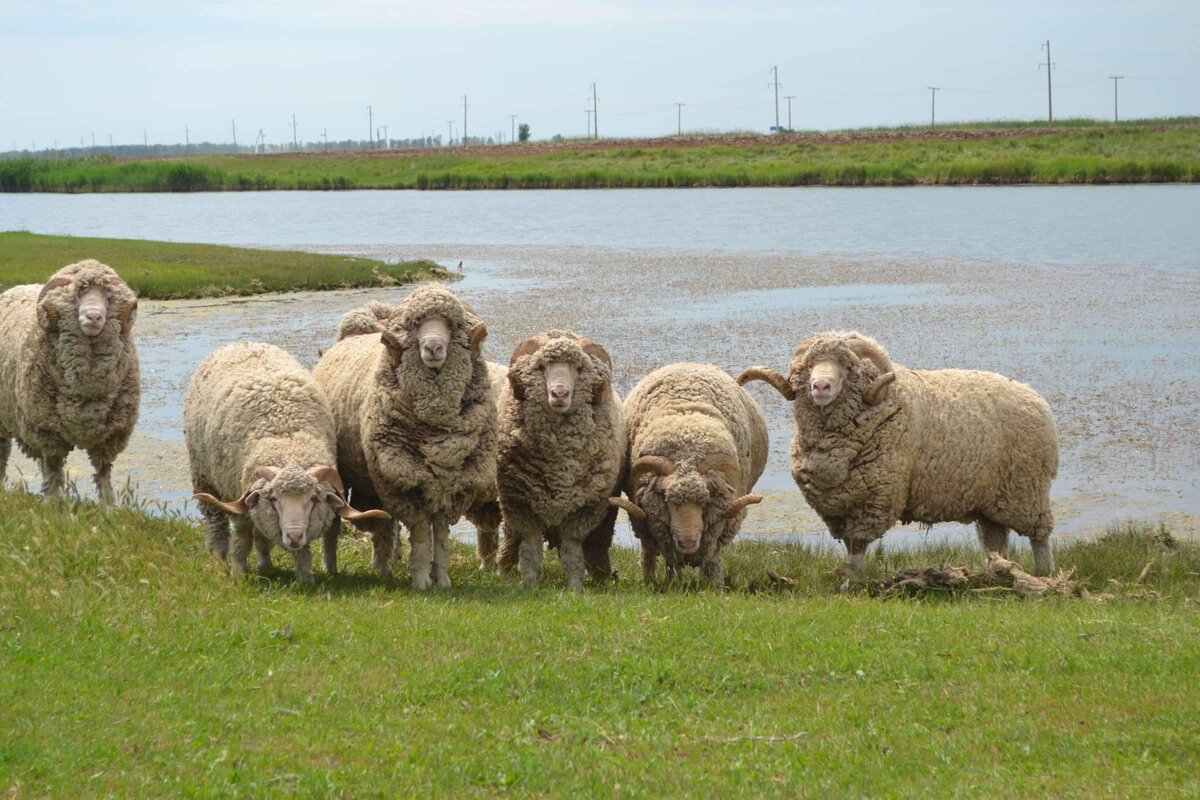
(60, 388)
(368, 319)
(687, 412)
(250, 406)
(944, 445)
(418, 443)
(556, 471)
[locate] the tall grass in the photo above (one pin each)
(130, 665)
(168, 270)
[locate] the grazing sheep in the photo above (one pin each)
(875, 443)
(697, 445)
(258, 428)
(69, 372)
(561, 456)
(416, 421)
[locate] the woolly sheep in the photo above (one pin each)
(69, 372)
(697, 445)
(875, 442)
(561, 456)
(258, 428)
(416, 421)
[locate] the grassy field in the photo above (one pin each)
(1002, 154)
(166, 270)
(130, 665)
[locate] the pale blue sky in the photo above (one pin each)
(68, 69)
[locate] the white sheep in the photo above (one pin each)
(561, 456)
(69, 372)
(875, 442)
(416, 422)
(258, 429)
(697, 445)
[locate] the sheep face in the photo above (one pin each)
(91, 292)
(825, 381)
(556, 366)
(829, 367)
(434, 327)
(292, 506)
(433, 339)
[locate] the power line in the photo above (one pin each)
(775, 83)
(1049, 90)
(1115, 78)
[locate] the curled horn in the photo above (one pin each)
(877, 392)
(870, 351)
(54, 283)
(328, 475)
(129, 314)
(527, 348)
(737, 505)
(633, 509)
(354, 515)
(394, 344)
(770, 376)
(475, 337)
(723, 464)
(659, 465)
(237, 508)
(596, 351)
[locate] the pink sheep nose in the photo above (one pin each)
(560, 392)
(433, 352)
(822, 386)
(92, 315)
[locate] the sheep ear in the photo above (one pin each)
(518, 388)
(394, 344)
(237, 508)
(475, 337)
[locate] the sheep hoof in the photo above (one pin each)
(443, 582)
(488, 565)
(420, 583)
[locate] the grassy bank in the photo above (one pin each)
(131, 666)
(167, 270)
(897, 157)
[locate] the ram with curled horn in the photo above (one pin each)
(875, 443)
(697, 444)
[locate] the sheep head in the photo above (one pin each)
(697, 493)
(823, 364)
(92, 293)
(556, 364)
(436, 325)
(300, 504)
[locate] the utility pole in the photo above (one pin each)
(464, 105)
(679, 119)
(449, 132)
(386, 140)
(933, 90)
(370, 129)
(513, 119)
(295, 144)
(187, 140)
(595, 114)
(325, 138)
(1115, 78)
(93, 143)
(775, 83)
(145, 142)
(588, 111)
(789, 98)
(233, 125)
(1049, 65)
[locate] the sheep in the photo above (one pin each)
(875, 442)
(69, 372)
(697, 445)
(416, 421)
(561, 456)
(259, 428)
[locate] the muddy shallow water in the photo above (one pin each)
(1107, 347)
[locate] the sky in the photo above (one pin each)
(70, 69)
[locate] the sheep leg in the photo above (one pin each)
(531, 555)
(857, 550)
(992, 536)
(420, 561)
(570, 555)
(52, 476)
(1043, 556)
(216, 530)
(441, 551)
(103, 477)
(243, 534)
(262, 550)
(649, 564)
(383, 543)
(303, 557)
(713, 574)
(486, 518)
(597, 560)
(5, 450)
(329, 543)
(510, 551)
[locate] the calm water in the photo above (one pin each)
(1125, 225)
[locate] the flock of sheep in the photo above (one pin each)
(404, 418)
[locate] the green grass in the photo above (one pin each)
(132, 666)
(167, 270)
(1077, 151)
